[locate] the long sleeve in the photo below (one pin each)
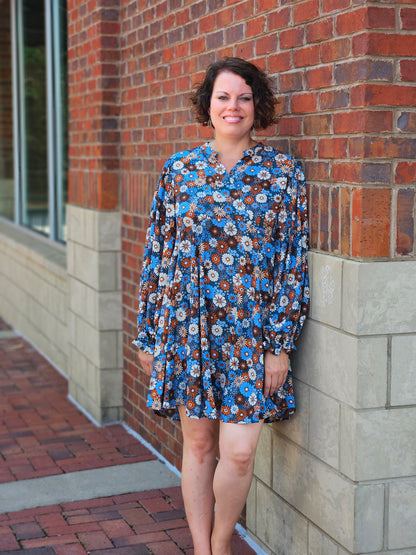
(290, 300)
(159, 247)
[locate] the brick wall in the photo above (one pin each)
(93, 87)
(345, 70)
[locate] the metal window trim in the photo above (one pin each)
(50, 119)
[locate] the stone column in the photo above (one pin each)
(93, 216)
(95, 337)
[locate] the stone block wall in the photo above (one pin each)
(34, 290)
(331, 477)
(95, 339)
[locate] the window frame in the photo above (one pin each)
(54, 119)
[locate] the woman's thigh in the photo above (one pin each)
(239, 441)
(199, 434)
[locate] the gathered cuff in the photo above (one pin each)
(144, 346)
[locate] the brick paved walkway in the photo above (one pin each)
(41, 434)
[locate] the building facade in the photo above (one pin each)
(77, 175)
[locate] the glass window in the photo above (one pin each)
(6, 110)
(34, 176)
(60, 71)
(38, 43)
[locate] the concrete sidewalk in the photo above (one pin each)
(69, 487)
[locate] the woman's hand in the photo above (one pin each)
(146, 362)
(276, 368)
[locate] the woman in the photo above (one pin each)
(223, 296)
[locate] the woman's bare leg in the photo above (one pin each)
(200, 445)
(232, 479)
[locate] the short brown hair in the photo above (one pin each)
(263, 91)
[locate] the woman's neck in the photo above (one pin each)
(231, 148)
(230, 152)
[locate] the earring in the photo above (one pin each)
(209, 122)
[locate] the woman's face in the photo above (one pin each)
(232, 106)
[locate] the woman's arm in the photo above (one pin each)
(290, 300)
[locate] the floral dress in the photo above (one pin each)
(224, 279)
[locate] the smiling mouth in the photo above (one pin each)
(232, 119)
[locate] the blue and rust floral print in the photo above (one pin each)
(224, 279)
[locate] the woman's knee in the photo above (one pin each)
(200, 437)
(240, 457)
(202, 445)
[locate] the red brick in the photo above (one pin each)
(318, 171)
(116, 528)
(291, 38)
(156, 505)
(364, 69)
(381, 17)
(320, 30)
(278, 19)
(405, 221)
(406, 122)
(383, 95)
(94, 540)
(333, 99)
(332, 5)
(371, 17)
(361, 172)
(255, 26)
(408, 70)
(319, 124)
(165, 548)
(314, 216)
(182, 536)
(408, 18)
(291, 81)
(290, 126)
(305, 11)
(345, 220)
(351, 21)
(324, 219)
(265, 5)
(266, 45)
(139, 538)
(334, 231)
(243, 10)
(363, 121)
(304, 103)
(371, 222)
(303, 148)
(51, 541)
(378, 147)
(405, 172)
(280, 62)
(307, 56)
(8, 542)
(70, 549)
(332, 148)
(318, 78)
(383, 44)
(335, 50)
